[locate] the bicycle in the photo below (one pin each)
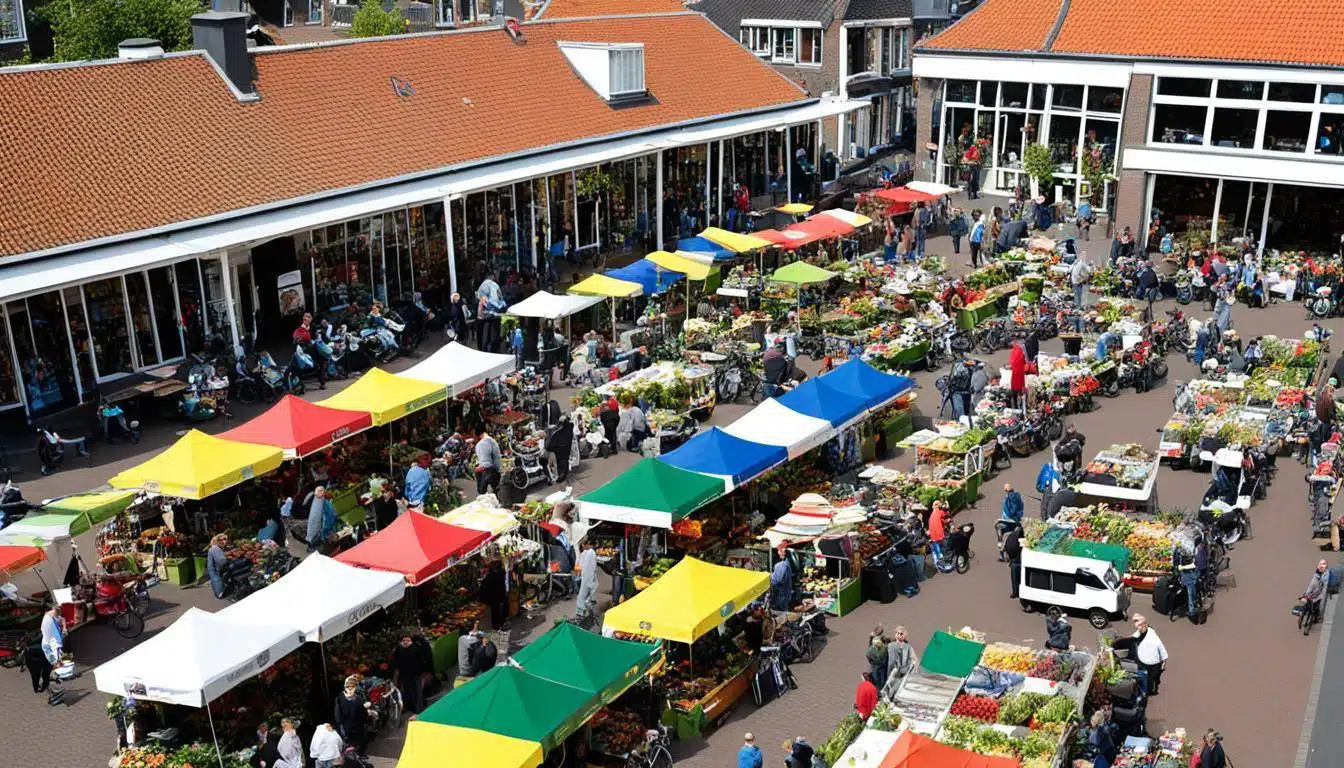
(14, 647)
(654, 754)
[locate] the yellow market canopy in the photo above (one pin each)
(734, 241)
(675, 262)
(601, 285)
(386, 396)
(794, 208)
(199, 465)
(686, 602)
(429, 745)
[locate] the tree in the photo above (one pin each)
(92, 29)
(1037, 163)
(372, 21)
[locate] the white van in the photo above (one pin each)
(1068, 584)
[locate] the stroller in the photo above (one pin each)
(957, 546)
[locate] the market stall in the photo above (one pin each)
(651, 493)
(772, 423)
(1083, 531)
(544, 305)
(320, 598)
(732, 242)
(1122, 474)
(671, 389)
(199, 465)
(816, 399)
(609, 288)
(461, 368)
(17, 559)
(856, 378)
(652, 277)
(416, 546)
(604, 666)
(722, 455)
(508, 701)
(300, 428)
(387, 397)
(427, 743)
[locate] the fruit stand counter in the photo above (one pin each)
(988, 306)
(1123, 474)
(691, 718)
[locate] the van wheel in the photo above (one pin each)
(1098, 618)
(1054, 612)
(1027, 607)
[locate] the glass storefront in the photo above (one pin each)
(106, 304)
(146, 350)
(190, 303)
(47, 369)
(1298, 216)
(163, 287)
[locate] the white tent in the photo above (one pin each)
(460, 368)
(931, 188)
(321, 598)
(548, 306)
(196, 660)
(771, 423)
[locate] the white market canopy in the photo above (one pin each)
(196, 660)
(320, 598)
(549, 306)
(461, 368)
(771, 423)
(931, 188)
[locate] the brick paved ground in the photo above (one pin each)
(1246, 672)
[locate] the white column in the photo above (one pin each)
(513, 206)
(74, 356)
(709, 147)
(1150, 184)
(1217, 203)
(658, 203)
(452, 246)
(1264, 221)
(788, 164)
(841, 146)
(718, 193)
(227, 277)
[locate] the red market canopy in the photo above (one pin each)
(791, 237)
(824, 226)
(300, 427)
(416, 546)
(904, 195)
(15, 560)
(914, 751)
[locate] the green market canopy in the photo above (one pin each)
(802, 273)
(510, 702)
(947, 654)
(650, 493)
(601, 665)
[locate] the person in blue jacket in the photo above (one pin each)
(1010, 516)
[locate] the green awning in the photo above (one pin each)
(600, 665)
(801, 272)
(98, 505)
(1115, 554)
(510, 702)
(651, 493)
(45, 528)
(951, 655)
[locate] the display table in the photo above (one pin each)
(693, 722)
(869, 749)
(848, 597)
(1145, 496)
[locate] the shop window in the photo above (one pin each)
(756, 39)
(1234, 128)
(1038, 96)
(989, 91)
(1332, 94)
(315, 11)
(429, 251)
(1232, 213)
(289, 14)
(782, 42)
(357, 268)
(809, 46)
(329, 268)
(1251, 90)
(542, 215)
(377, 258)
(1183, 203)
(9, 387)
(146, 348)
(1102, 99)
(1328, 134)
(80, 338)
(1302, 93)
(961, 91)
(1178, 123)
(43, 354)
(107, 317)
(1100, 138)
(216, 307)
(1013, 95)
(1303, 217)
(190, 303)
(1064, 142)
(1184, 86)
(1010, 139)
(1286, 131)
(1068, 97)
(162, 288)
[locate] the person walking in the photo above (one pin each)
(321, 517)
(1080, 274)
(865, 697)
(957, 228)
(877, 656)
(1017, 384)
(800, 754)
(458, 314)
(901, 660)
(781, 582)
(215, 560)
(923, 220)
(585, 605)
(1211, 753)
(1012, 551)
(977, 238)
(561, 443)
(749, 756)
(1010, 515)
(488, 460)
(1149, 652)
(1222, 311)
(1147, 288)
(494, 592)
(408, 664)
(610, 417)
(417, 482)
(352, 713)
(1086, 218)
(326, 746)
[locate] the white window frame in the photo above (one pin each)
(628, 60)
(287, 14)
(21, 20)
(321, 7)
(756, 39)
(776, 35)
(819, 47)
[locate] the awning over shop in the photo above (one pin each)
(196, 659)
(580, 659)
(387, 397)
(859, 379)
(199, 465)
(320, 598)
(609, 287)
(510, 702)
(736, 242)
(461, 368)
(428, 743)
(650, 493)
(16, 560)
(717, 453)
(678, 262)
(548, 306)
(849, 217)
(947, 654)
(699, 245)
(689, 600)
(96, 505)
(811, 398)
(299, 427)
(802, 273)
(914, 751)
(416, 546)
(773, 424)
(649, 276)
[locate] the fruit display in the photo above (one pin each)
(1009, 658)
(686, 684)
(616, 732)
(794, 478)
(1018, 708)
(534, 511)
(1149, 542)
(1127, 466)
(978, 707)
(657, 567)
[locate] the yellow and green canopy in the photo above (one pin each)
(96, 505)
(199, 465)
(601, 285)
(734, 241)
(802, 273)
(689, 600)
(507, 701)
(386, 396)
(429, 745)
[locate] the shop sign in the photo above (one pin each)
(340, 433)
(728, 609)
(291, 297)
(361, 613)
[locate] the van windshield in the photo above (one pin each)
(1112, 578)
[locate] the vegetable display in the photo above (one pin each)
(844, 734)
(978, 707)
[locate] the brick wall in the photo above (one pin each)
(818, 80)
(1129, 195)
(928, 90)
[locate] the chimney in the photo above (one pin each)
(223, 36)
(139, 48)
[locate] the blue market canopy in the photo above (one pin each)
(701, 245)
(653, 278)
(812, 398)
(859, 379)
(720, 454)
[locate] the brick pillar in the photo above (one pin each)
(1129, 195)
(928, 89)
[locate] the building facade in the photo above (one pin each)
(1188, 117)
(224, 191)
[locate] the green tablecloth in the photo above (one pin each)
(969, 318)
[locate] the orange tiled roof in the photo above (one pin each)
(99, 150)
(1262, 31)
(577, 9)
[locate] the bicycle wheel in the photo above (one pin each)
(128, 624)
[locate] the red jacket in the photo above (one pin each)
(1017, 361)
(865, 699)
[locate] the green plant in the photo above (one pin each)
(844, 734)
(1094, 171)
(593, 182)
(372, 21)
(1037, 163)
(93, 29)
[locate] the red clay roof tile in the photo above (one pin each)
(112, 148)
(1000, 25)
(577, 9)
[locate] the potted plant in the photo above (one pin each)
(1038, 165)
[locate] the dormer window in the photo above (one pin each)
(615, 71)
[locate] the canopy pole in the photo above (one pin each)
(326, 676)
(391, 470)
(613, 321)
(210, 716)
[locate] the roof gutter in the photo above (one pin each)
(1116, 58)
(167, 229)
